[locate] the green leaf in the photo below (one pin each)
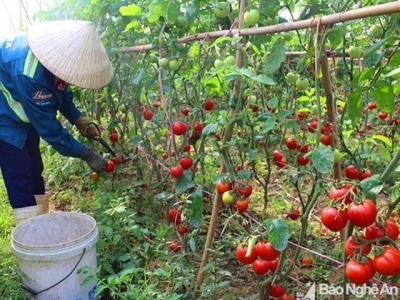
(130, 10)
(384, 96)
(278, 233)
(367, 73)
(276, 57)
(108, 232)
(354, 105)
(393, 72)
(372, 186)
(157, 9)
(378, 45)
(260, 78)
(195, 207)
(139, 76)
(210, 128)
(268, 125)
(244, 174)
(322, 159)
(184, 182)
(174, 11)
(383, 139)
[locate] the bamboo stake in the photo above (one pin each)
(360, 13)
(223, 167)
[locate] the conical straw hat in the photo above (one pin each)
(72, 50)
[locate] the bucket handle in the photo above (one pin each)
(34, 293)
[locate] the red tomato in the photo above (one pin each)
(360, 273)
(277, 155)
(241, 251)
(327, 127)
(274, 264)
(223, 186)
(148, 114)
(197, 127)
(186, 162)
(372, 105)
(304, 148)
(174, 216)
(363, 214)
(312, 126)
(333, 219)
(110, 166)
(326, 139)
(176, 171)
(339, 193)
(266, 251)
(288, 297)
(365, 174)
(261, 266)
(291, 143)
(281, 163)
(294, 214)
(182, 229)
(179, 128)
(241, 205)
(175, 246)
(382, 115)
(277, 290)
(352, 172)
(185, 111)
(302, 160)
(186, 148)
(243, 188)
(208, 104)
(306, 262)
(374, 231)
(353, 244)
(164, 155)
(388, 262)
(113, 137)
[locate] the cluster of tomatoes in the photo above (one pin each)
(175, 218)
(236, 194)
(185, 163)
(264, 258)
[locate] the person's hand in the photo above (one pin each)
(95, 161)
(87, 128)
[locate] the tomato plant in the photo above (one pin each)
(266, 251)
(276, 290)
(244, 188)
(354, 243)
(176, 171)
(261, 266)
(186, 162)
(241, 205)
(375, 231)
(179, 128)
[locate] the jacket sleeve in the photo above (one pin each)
(40, 106)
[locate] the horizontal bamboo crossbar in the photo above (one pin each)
(360, 13)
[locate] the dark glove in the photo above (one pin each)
(95, 161)
(87, 128)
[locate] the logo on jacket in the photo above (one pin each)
(41, 96)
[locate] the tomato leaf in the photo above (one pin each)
(276, 57)
(322, 159)
(184, 182)
(384, 96)
(372, 186)
(244, 174)
(354, 105)
(383, 139)
(278, 233)
(195, 208)
(173, 12)
(269, 124)
(157, 9)
(210, 128)
(130, 10)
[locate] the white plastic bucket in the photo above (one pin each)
(51, 248)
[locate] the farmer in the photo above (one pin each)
(36, 70)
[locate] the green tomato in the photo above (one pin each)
(230, 60)
(181, 22)
(292, 77)
(164, 62)
(355, 52)
(221, 10)
(218, 64)
(314, 109)
(173, 65)
(375, 32)
(251, 17)
(302, 84)
(287, 36)
(228, 197)
(152, 58)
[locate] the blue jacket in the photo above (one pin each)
(28, 97)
